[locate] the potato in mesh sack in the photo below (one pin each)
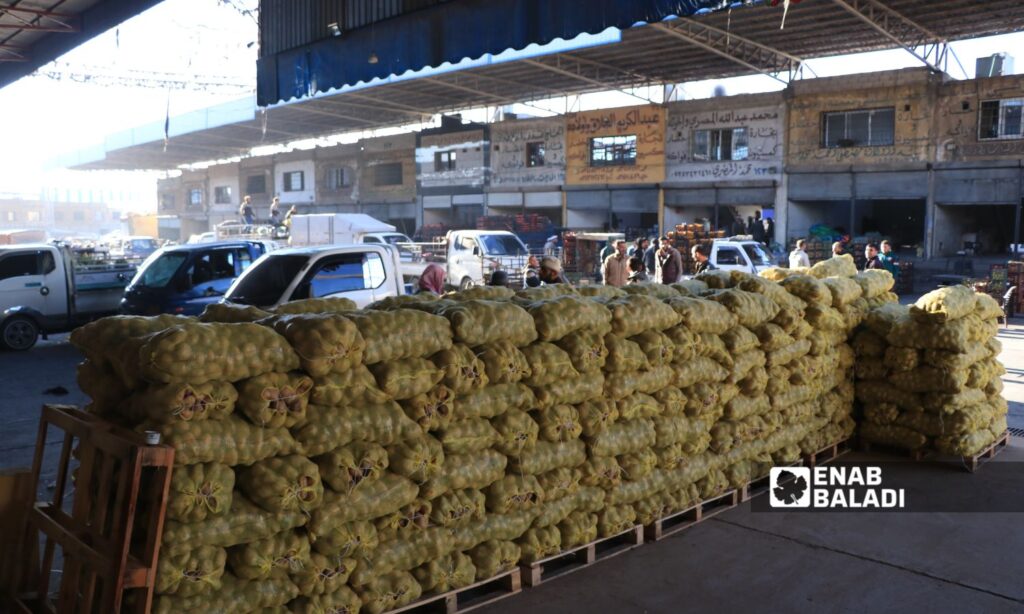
(350, 540)
(286, 552)
(653, 289)
(578, 528)
(657, 346)
(463, 370)
(458, 508)
(406, 523)
(433, 410)
(420, 458)
(892, 435)
(944, 304)
(560, 482)
(779, 273)
(705, 400)
(104, 388)
(343, 600)
(956, 361)
(101, 340)
(634, 314)
(504, 363)
(874, 282)
(559, 423)
(872, 392)
(389, 592)
(560, 316)
(327, 428)
(231, 441)
(484, 293)
(638, 405)
(772, 337)
(284, 483)
(228, 313)
(972, 443)
(615, 519)
(624, 355)
(600, 292)
(983, 372)
(244, 522)
(715, 348)
(468, 435)
(596, 415)
(406, 378)
(929, 379)
(737, 340)
(404, 553)
(493, 526)
(987, 308)
(953, 336)
(620, 385)
(547, 456)
(324, 575)
(316, 305)
(623, 437)
(548, 364)
(772, 290)
(406, 333)
(570, 391)
(494, 557)
(689, 287)
(901, 359)
(512, 493)
(372, 500)
(527, 296)
(638, 465)
(586, 349)
(836, 266)
(670, 430)
(158, 404)
(746, 362)
(477, 322)
(235, 595)
(538, 543)
(494, 400)
(854, 314)
(197, 353)
(698, 370)
(808, 288)
(602, 472)
(717, 279)
(345, 468)
(825, 318)
(194, 572)
(356, 386)
(200, 490)
(477, 470)
(274, 400)
(750, 309)
(844, 290)
(517, 432)
(703, 316)
(789, 353)
(755, 382)
(450, 572)
(790, 320)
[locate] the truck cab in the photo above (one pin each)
(363, 273)
(184, 279)
(472, 255)
(740, 254)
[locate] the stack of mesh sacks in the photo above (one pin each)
(928, 375)
(339, 460)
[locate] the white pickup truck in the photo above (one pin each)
(470, 256)
(362, 273)
(43, 290)
(740, 254)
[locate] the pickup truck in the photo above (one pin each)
(43, 290)
(740, 254)
(470, 256)
(363, 273)
(184, 279)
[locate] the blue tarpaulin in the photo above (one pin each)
(449, 33)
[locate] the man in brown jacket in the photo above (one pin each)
(669, 264)
(615, 269)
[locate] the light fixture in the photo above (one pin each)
(373, 58)
(334, 29)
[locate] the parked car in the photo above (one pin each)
(134, 247)
(364, 273)
(44, 290)
(184, 279)
(470, 256)
(740, 255)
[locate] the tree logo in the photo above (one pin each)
(790, 487)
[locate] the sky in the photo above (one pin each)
(213, 41)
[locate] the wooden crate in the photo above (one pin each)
(468, 598)
(579, 557)
(110, 540)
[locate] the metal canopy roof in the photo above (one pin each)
(35, 32)
(743, 41)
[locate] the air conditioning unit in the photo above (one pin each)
(995, 65)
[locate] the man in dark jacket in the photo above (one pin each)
(700, 253)
(871, 260)
(669, 265)
(651, 257)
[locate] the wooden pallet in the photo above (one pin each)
(470, 597)
(761, 485)
(915, 455)
(973, 462)
(722, 503)
(827, 454)
(579, 557)
(110, 540)
(673, 523)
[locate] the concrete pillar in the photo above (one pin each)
(565, 209)
(661, 211)
(929, 216)
(782, 211)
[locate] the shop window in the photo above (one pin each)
(256, 184)
(862, 128)
(338, 177)
(387, 174)
(613, 150)
(535, 154)
(294, 181)
(195, 198)
(33, 216)
(444, 161)
(166, 201)
(1001, 119)
(725, 144)
(222, 195)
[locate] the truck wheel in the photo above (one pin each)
(466, 283)
(18, 333)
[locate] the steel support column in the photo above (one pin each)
(901, 30)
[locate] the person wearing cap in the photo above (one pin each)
(551, 245)
(551, 271)
(498, 278)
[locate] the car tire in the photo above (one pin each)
(18, 333)
(466, 283)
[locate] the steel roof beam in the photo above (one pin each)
(900, 29)
(579, 77)
(743, 51)
(12, 53)
(38, 20)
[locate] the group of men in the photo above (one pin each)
(875, 256)
(647, 261)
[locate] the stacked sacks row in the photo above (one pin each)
(928, 375)
(339, 460)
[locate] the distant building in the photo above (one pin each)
(59, 219)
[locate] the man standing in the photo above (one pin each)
(669, 265)
(757, 228)
(888, 260)
(651, 257)
(275, 211)
(700, 256)
(246, 210)
(551, 271)
(798, 257)
(615, 268)
(871, 258)
(837, 249)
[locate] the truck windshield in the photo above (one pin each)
(143, 244)
(157, 273)
(502, 245)
(264, 282)
(757, 254)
